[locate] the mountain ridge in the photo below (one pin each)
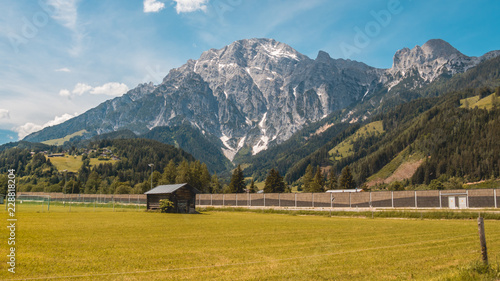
(257, 93)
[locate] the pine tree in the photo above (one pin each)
(318, 181)
(332, 180)
(205, 179)
(307, 179)
(237, 184)
(252, 188)
(170, 172)
(274, 182)
(346, 181)
(215, 186)
(183, 173)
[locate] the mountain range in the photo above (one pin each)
(257, 93)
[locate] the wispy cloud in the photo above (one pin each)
(188, 6)
(113, 89)
(64, 69)
(4, 114)
(153, 6)
(28, 128)
(65, 12)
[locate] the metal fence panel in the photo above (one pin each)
(287, 199)
(304, 199)
(428, 198)
(404, 199)
(382, 199)
(481, 198)
(257, 199)
(322, 200)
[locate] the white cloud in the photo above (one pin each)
(64, 93)
(28, 128)
(153, 6)
(188, 6)
(111, 89)
(4, 114)
(65, 12)
(81, 89)
(64, 69)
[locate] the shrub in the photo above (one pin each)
(166, 205)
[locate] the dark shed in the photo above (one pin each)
(182, 195)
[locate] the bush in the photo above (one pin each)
(166, 206)
(123, 189)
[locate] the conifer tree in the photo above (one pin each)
(307, 179)
(252, 188)
(274, 182)
(215, 186)
(332, 180)
(237, 184)
(169, 173)
(183, 173)
(205, 179)
(346, 181)
(318, 181)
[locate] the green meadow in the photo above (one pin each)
(91, 243)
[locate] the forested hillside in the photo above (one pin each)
(36, 166)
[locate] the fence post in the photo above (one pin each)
(211, 201)
(482, 240)
(331, 200)
(223, 203)
(392, 199)
(495, 196)
(440, 203)
(467, 202)
(416, 199)
(370, 199)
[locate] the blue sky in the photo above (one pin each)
(59, 58)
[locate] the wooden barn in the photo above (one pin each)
(182, 195)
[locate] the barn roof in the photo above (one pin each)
(170, 188)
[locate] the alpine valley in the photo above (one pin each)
(262, 104)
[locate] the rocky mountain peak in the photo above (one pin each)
(438, 48)
(323, 57)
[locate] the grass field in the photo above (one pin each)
(484, 103)
(131, 245)
(61, 141)
(344, 149)
(73, 163)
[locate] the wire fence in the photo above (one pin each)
(42, 201)
(137, 199)
(453, 199)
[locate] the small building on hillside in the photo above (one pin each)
(182, 195)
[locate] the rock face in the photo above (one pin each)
(434, 59)
(257, 92)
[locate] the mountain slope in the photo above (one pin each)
(256, 93)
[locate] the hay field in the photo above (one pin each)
(135, 245)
